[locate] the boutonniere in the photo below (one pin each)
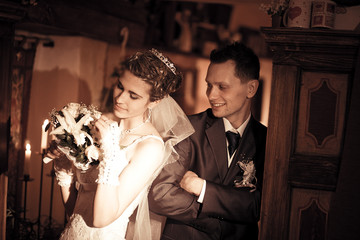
(248, 178)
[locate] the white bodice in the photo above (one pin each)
(80, 224)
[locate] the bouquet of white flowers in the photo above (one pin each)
(73, 127)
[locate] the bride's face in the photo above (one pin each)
(131, 96)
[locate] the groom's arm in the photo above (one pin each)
(166, 197)
(231, 204)
(228, 202)
(224, 202)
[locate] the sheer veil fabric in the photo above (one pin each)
(173, 125)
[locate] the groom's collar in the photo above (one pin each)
(240, 130)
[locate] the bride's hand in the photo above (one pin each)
(113, 160)
(52, 151)
(103, 126)
(62, 165)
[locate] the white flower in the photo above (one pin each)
(72, 108)
(80, 138)
(92, 152)
(69, 124)
(88, 121)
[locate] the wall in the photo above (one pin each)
(71, 71)
(75, 70)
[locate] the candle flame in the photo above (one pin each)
(46, 122)
(28, 147)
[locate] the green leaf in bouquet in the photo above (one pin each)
(63, 143)
(95, 162)
(81, 158)
(88, 142)
(60, 136)
(69, 139)
(85, 129)
(79, 117)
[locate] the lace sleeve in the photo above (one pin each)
(63, 171)
(113, 159)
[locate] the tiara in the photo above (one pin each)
(164, 59)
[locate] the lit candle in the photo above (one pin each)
(27, 159)
(44, 136)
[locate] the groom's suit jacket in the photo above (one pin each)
(227, 212)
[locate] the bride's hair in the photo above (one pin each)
(155, 69)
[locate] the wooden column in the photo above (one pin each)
(9, 14)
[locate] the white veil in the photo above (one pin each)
(173, 126)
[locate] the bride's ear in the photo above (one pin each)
(153, 104)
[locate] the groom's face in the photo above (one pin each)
(226, 93)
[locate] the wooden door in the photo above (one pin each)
(313, 75)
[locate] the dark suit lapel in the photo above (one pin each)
(245, 151)
(215, 134)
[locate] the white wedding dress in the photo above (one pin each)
(80, 224)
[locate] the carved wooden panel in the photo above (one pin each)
(309, 214)
(306, 143)
(321, 115)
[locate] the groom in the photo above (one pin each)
(213, 191)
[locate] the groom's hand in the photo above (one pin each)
(192, 183)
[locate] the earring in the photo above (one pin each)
(149, 115)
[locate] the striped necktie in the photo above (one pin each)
(233, 140)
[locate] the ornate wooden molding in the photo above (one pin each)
(320, 113)
(10, 11)
(102, 20)
(313, 172)
(313, 48)
(313, 215)
(317, 40)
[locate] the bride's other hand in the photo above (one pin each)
(62, 165)
(52, 151)
(64, 175)
(61, 162)
(103, 127)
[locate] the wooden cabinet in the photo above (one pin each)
(313, 108)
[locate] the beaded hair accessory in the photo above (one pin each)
(164, 59)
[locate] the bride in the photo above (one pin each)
(136, 140)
